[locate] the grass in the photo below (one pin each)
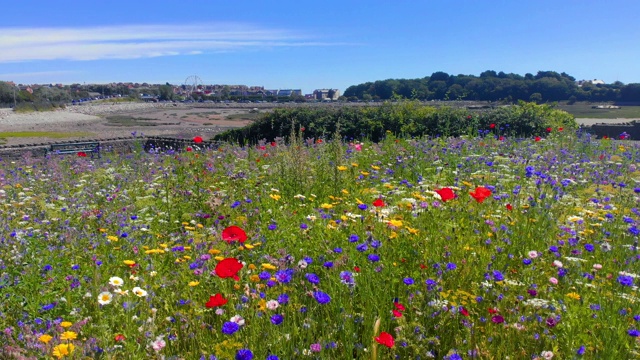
(246, 116)
(127, 120)
(42, 134)
(432, 248)
(585, 111)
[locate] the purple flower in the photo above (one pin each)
(373, 257)
(625, 280)
(497, 275)
(497, 319)
(451, 266)
(581, 350)
(272, 357)
(230, 327)
(362, 206)
(283, 299)
(551, 322)
(316, 347)
(346, 277)
(244, 354)
(312, 278)
(634, 332)
(408, 281)
(284, 276)
(321, 297)
(277, 319)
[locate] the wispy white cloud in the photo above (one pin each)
(141, 41)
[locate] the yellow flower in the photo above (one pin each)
(274, 197)
(342, 168)
(254, 278)
(345, 191)
(267, 266)
(129, 262)
(214, 251)
(66, 324)
(574, 296)
(393, 235)
(194, 283)
(326, 206)
(102, 230)
(354, 164)
(375, 167)
(63, 350)
(412, 231)
(45, 338)
(112, 238)
(199, 226)
(396, 223)
(248, 246)
(190, 228)
(364, 173)
(68, 335)
(219, 258)
(252, 267)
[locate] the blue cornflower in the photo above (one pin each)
(625, 280)
(272, 227)
(235, 204)
(328, 264)
(581, 350)
(373, 257)
(376, 244)
(244, 354)
(284, 276)
(277, 319)
(526, 261)
(230, 327)
(265, 275)
(431, 284)
(408, 281)
(124, 235)
(272, 357)
(362, 247)
(304, 226)
(589, 247)
(337, 250)
(312, 278)
(353, 238)
(451, 266)
(48, 307)
(362, 206)
(321, 297)
(497, 275)
(283, 299)
(634, 332)
(346, 277)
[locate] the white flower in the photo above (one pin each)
(302, 264)
(139, 292)
(533, 254)
(134, 278)
(116, 281)
(238, 320)
(597, 266)
(547, 355)
(104, 298)
(557, 263)
(272, 304)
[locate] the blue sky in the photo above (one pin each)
(314, 44)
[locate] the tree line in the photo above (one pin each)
(545, 86)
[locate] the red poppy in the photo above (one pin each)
(468, 117)
(493, 310)
(605, 137)
(356, 269)
(385, 339)
(82, 154)
(560, 129)
(548, 129)
(509, 207)
(234, 233)
(228, 267)
(480, 193)
(273, 144)
(216, 300)
(197, 140)
(189, 149)
(399, 306)
(446, 194)
(378, 203)
(302, 129)
(464, 312)
(492, 126)
(262, 147)
(501, 138)
(397, 313)
(119, 337)
(319, 141)
(537, 138)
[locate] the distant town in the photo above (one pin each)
(10, 92)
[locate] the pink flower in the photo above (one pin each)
(597, 266)
(358, 147)
(553, 280)
(158, 344)
(533, 254)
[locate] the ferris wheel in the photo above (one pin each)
(192, 84)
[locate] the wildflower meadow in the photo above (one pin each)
(489, 247)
